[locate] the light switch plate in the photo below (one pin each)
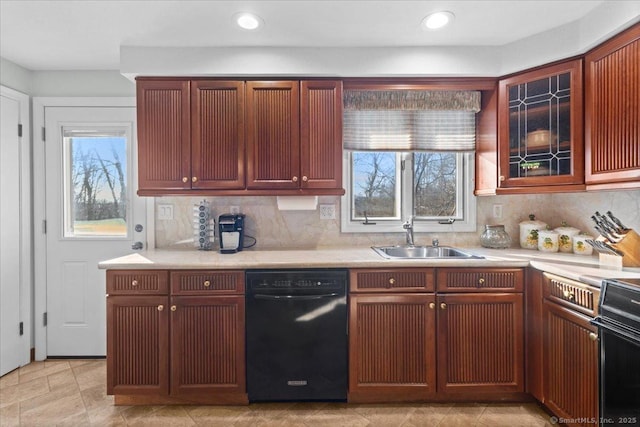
(165, 212)
(497, 211)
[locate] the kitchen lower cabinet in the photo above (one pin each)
(391, 347)
(571, 364)
(187, 347)
(480, 343)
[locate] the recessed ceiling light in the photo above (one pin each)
(437, 20)
(248, 21)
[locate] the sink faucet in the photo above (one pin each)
(408, 227)
(435, 242)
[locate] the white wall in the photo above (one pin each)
(81, 83)
(15, 77)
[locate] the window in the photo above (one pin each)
(385, 188)
(409, 153)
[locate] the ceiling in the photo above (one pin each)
(87, 35)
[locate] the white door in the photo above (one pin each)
(92, 214)
(14, 226)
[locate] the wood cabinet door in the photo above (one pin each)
(137, 345)
(273, 135)
(570, 363)
(218, 144)
(540, 129)
(480, 343)
(391, 347)
(164, 135)
(321, 134)
(612, 111)
(207, 345)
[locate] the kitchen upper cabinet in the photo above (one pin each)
(164, 135)
(217, 141)
(540, 130)
(480, 343)
(391, 347)
(273, 134)
(612, 112)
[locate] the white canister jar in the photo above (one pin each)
(529, 232)
(565, 237)
(547, 241)
(580, 246)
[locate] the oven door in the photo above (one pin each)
(619, 374)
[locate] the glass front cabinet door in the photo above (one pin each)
(540, 122)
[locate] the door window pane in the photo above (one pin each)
(374, 185)
(95, 164)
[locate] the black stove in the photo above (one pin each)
(619, 331)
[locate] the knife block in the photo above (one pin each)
(630, 247)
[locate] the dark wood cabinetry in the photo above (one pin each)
(612, 111)
(540, 130)
(178, 348)
(395, 346)
(224, 137)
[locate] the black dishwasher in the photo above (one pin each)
(296, 335)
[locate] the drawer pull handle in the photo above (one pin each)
(134, 283)
(443, 306)
(174, 308)
(432, 305)
(568, 294)
(392, 281)
(593, 337)
(160, 307)
(481, 280)
(207, 283)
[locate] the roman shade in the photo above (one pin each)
(410, 120)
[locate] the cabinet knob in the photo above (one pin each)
(160, 307)
(443, 306)
(481, 280)
(294, 179)
(134, 283)
(174, 308)
(392, 281)
(304, 178)
(207, 283)
(194, 179)
(502, 178)
(432, 305)
(568, 294)
(185, 179)
(593, 337)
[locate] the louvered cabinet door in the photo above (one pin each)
(571, 364)
(480, 343)
(612, 111)
(321, 134)
(391, 347)
(273, 135)
(164, 135)
(218, 145)
(137, 345)
(207, 346)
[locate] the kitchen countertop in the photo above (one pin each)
(576, 267)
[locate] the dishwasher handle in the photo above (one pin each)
(295, 297)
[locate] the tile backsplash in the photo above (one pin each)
(304, 229)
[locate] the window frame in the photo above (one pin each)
(465, 186)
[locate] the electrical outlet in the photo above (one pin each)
(234, 210)
(327, 211)
(165, 212)
(497, 211)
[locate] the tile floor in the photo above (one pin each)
(72, 393)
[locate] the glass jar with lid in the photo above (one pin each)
(495, 237)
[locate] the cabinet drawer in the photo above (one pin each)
(392, 280)
(195, 282)
(480, 279)
(137, 282)
(570, 293)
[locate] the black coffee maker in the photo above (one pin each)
(231, 231)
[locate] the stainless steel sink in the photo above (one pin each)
(423, 252)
